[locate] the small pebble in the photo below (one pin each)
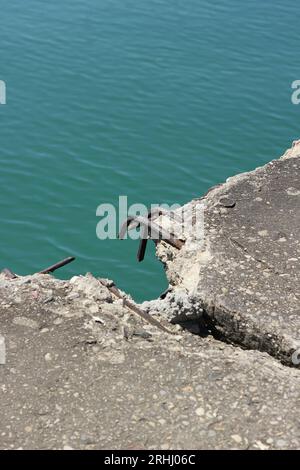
(200, 411)
(237, 438)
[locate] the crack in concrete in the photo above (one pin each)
(245, 300)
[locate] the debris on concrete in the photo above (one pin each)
(245, 273)
(81, 370)
(2, 350)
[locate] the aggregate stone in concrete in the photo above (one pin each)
(73, 379)
(79, 370)
(244, 274)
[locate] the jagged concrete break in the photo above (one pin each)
(84, 372)
(244, 277)
(80, 370)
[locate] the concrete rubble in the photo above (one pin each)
(80, 370)
(244, 278)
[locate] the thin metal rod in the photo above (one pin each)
(58, 265)
(146, 316)
(154, 214)
(143, 245)
(9, 274)
(157, 232)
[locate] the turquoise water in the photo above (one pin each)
(157, 100)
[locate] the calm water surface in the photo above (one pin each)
(157, 100)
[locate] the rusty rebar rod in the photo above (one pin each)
(58, 265)
(151, 231)
(146, 316)
(152, 214)
(8, 273)
(155, 213)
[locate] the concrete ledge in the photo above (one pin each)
(245, 276)
(80, 370)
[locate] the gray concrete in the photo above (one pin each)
(83, 372)
(244, 276)
(79, 370)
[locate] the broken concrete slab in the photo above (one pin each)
(80, 369)
(244, 275)
(80, 380)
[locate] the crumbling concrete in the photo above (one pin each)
(84, 372)
(81, 370)
(244, 275)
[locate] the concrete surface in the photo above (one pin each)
(79, 370)
(244, 276)
(83, 372)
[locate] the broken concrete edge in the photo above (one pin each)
(203, 318)
(184, 304)
(83, 372)
(219, 189)
(88, 294)
(187, 270)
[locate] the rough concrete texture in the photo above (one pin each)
(244, 275)
(83, 372)
(79, 370)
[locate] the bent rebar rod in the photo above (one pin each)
(155, 213)
(150, 230)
